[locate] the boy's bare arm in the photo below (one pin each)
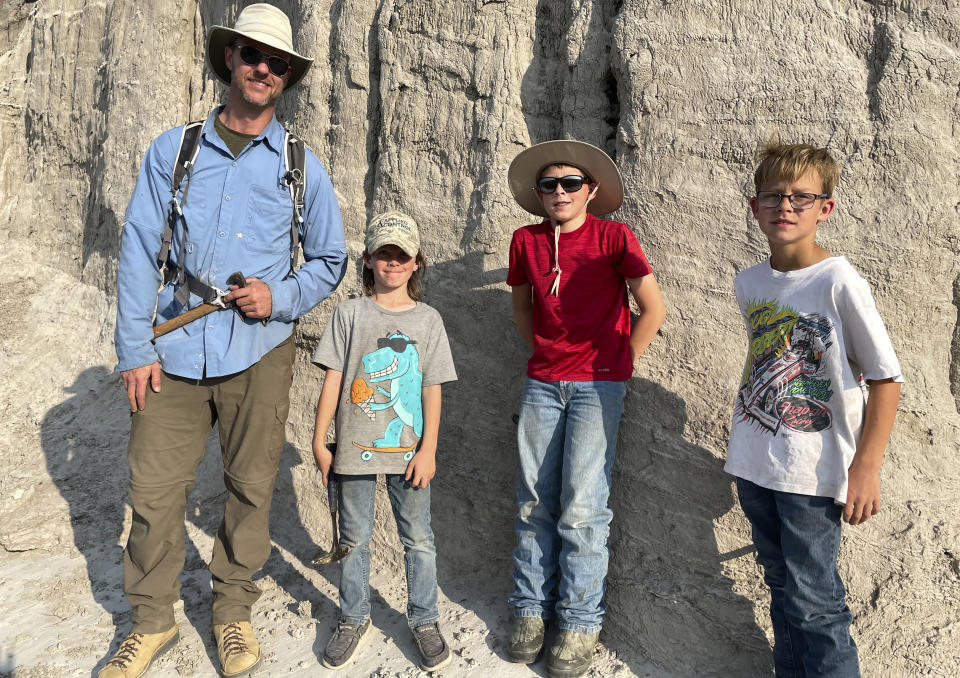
(646, 292)
(523, 311)
(423, 466)
(863, 482)
(326, 408)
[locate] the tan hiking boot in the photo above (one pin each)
(137, 652)
(237, 648)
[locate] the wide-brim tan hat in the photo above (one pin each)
(526, 167)
(262, 23)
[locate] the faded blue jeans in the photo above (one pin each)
(567, 440)
(798, 540)
(411, 508)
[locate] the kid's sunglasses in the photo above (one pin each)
(252, 56)
(570, 183)
(397, 344)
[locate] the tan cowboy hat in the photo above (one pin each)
(526, 167)
(262, 23)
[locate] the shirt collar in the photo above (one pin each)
(273, 133)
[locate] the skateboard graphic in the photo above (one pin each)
(368, 451)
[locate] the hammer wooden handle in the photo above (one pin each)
(184, 318)
(236, 278)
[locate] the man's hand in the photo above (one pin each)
(135, 384)
(254, 300)
(323, 457)
(422, 468)
(863, 494)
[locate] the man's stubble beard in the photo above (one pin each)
(271, 98)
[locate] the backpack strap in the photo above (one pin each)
(295, 179)
(183, 167)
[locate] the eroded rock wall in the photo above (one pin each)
(420, 105)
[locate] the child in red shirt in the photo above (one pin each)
(570, 275)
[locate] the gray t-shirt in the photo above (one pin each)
(386, 358)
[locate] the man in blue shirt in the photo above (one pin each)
(232, 367)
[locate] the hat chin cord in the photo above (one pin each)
(555, 288)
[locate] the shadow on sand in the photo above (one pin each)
(84, 440)
(84, 443)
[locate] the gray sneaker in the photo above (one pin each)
(434, 652)
(571, 654)
(526, 639)
(343, 643)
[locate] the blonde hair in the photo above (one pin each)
(414, 284)
(789, 162)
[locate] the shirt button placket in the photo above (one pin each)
(221, 248)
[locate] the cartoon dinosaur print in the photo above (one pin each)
(397, 361)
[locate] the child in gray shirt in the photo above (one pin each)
(385, 355)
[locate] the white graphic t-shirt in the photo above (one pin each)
(814, 336)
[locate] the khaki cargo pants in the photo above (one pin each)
(166, 446)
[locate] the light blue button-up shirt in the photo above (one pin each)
(237, 213)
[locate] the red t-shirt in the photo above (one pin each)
(584, 333)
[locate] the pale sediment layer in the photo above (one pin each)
(420, 106)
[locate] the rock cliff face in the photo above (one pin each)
(420, 105)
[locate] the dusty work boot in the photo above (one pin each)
(137, 652)
(343, 643)
(434, 652)
(526, 639)
(237, 648)
(571, 654)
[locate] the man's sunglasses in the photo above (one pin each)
(570, 183)
(252, 56)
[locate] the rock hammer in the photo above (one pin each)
(333, 499)
(200, 311)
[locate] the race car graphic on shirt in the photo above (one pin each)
(397, 362)
(780, 384)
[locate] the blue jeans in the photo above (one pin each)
(798, 539)
(411, 508)
(567, 440)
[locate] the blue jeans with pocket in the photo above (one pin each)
(798, 539)
(411, 508)
(567, 439)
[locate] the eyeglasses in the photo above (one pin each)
(398, 344)
(252, 56)
(798, 201)
(570, 183)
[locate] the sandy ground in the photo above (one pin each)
(56, 625)
(64, 519)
